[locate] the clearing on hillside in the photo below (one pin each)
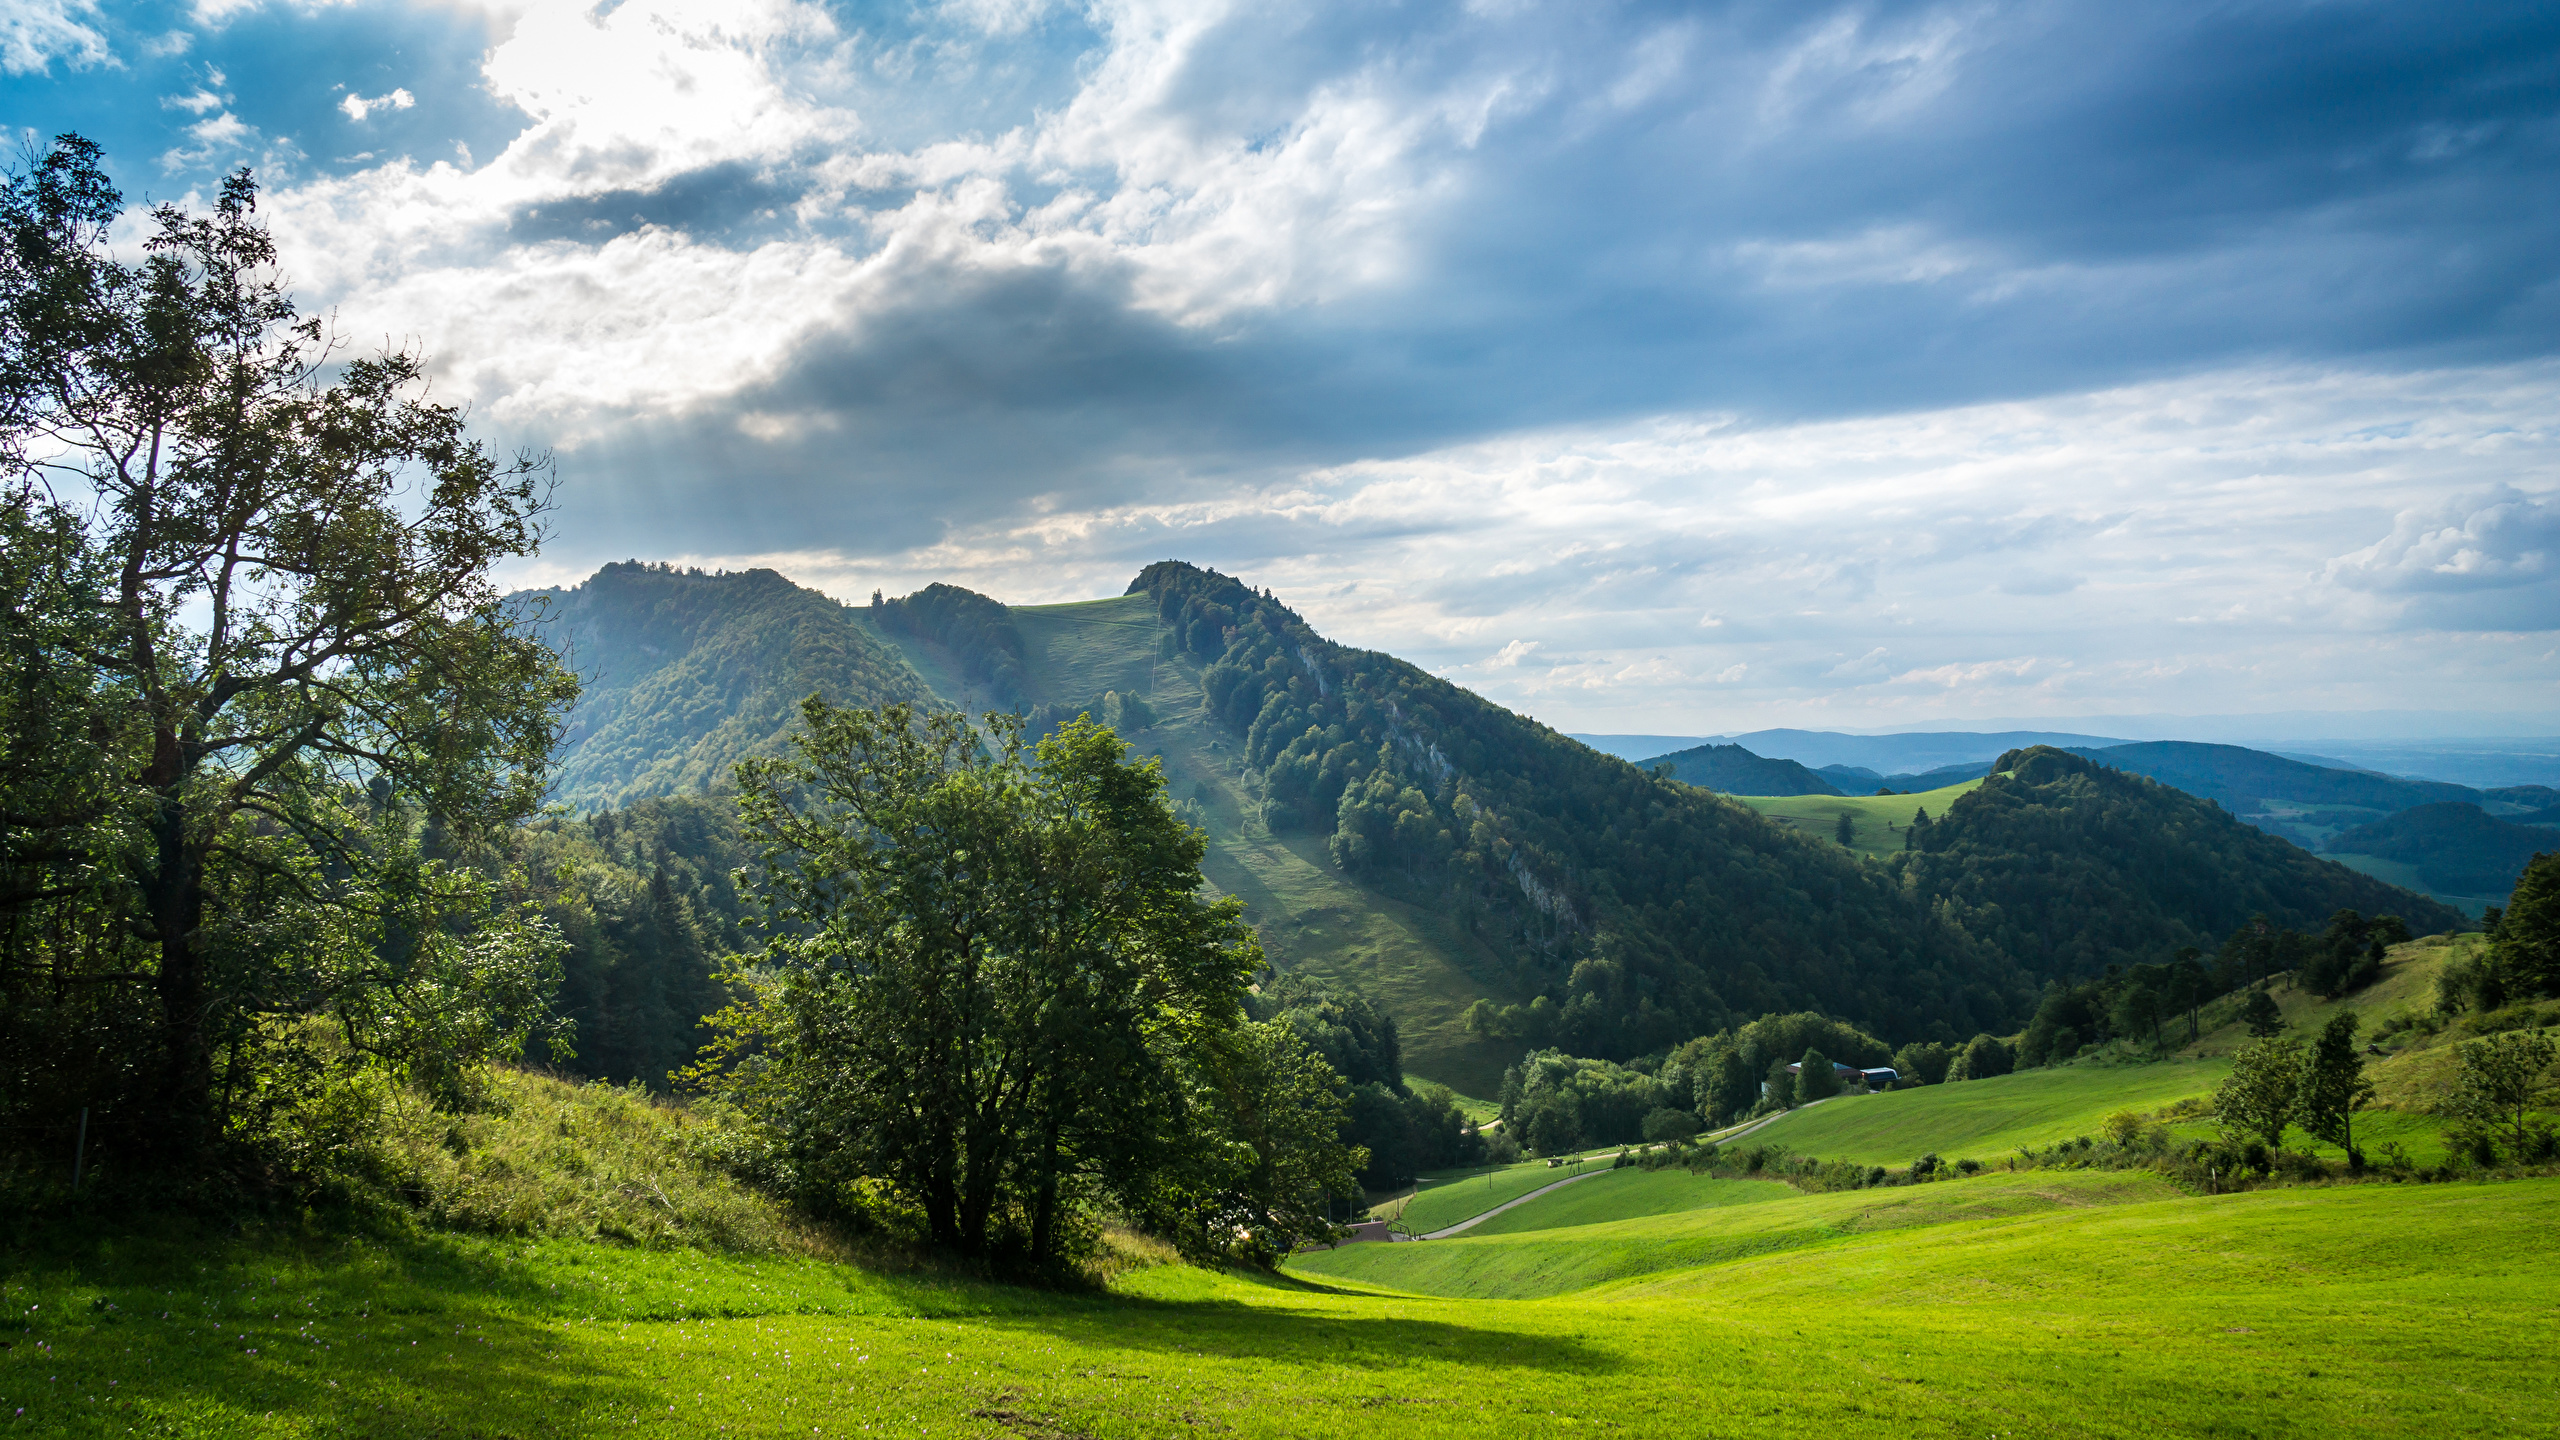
(1879, 821)
(1986, 1119)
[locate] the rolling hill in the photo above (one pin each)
(2456, 848)
(1732, 770)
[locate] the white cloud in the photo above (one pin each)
(221, 136)
(357, 107)
(1511, 654)
(36, 33)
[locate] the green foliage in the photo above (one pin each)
(294, 654)
(1720, 1075)
(1404, 1129)
(2258, 1097)
(2525, 947)
(1815, 1079)
(1983, 1057)
(1000, 991)
(2456, 847)
(2070, 866)
(1923, 1062)
(1558, 1104)
(2261, 1016)
(1625, 900)
(2334, 1086)
(977, 631)
(2500, 1077)
(687, 673)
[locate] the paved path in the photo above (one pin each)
(1720, 1137)
(1507, 1204)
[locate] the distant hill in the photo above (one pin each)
(1911, 754)
(1859, 780)
(2070, 865)
(1732, 770)
(1638, 747)
(2232, 775)
(2456, 848)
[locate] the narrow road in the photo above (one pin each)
(1720, 1137)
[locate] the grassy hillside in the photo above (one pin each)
(687, 673)
(1986, 1119)
(2051, 1305)
(1629, 1194)
(1880, 821)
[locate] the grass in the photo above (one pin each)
(2046, 1305)
(1445, 1197)
(1629, 1194)
(1541, 1263)
(1879, 820)
(2405, 875)
(1986, 1119)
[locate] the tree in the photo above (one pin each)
(2525, 947)
(1913, 838)
(2137, 1012)
(2498, 1080)
(1982, 1058)
(2190, 985)
(1003, 991)
(1924, 1061)
(1269, 1161)
(2257, 1098)
(2262, 1016)
(1815, 1079)
(1846, 831)
(297, 639)
(2334, 1086)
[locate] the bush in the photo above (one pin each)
(1669, 1124)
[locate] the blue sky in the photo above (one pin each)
(1672, 368)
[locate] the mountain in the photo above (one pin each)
(1899, 754)
(2456, 848)
(1489, 882)
(1638, 747)
(2234, 776)
(686, 673)
(2069, 865)
(1732, 770)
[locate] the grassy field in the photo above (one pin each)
(1629, 1194)
(2045, 1305)
(1987, 1119)
(1880, 820)
(2405, 876)
(1445, 1197)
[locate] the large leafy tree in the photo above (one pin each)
(1001, 989)
(2334, 1086)
(283, 639)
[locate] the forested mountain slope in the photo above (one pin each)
(687, 673)
(1491, 883)
(2068, 865)
(2456, 848)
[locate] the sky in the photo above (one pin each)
(1668, 368)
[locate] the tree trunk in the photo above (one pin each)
(174, 895)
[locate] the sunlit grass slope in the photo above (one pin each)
(1629, 1194)
(1879, 820)
(1987, 1119)
(1539, 1263)
(1977, 1310)
(1445, 1197)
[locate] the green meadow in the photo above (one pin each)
(1986, 1119)
(2047, 1305)
(1878, 821)
(1627, 1194)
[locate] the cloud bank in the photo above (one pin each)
(1656, 366)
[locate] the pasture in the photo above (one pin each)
(1878, 822)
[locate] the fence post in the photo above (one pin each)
(80, 1149)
